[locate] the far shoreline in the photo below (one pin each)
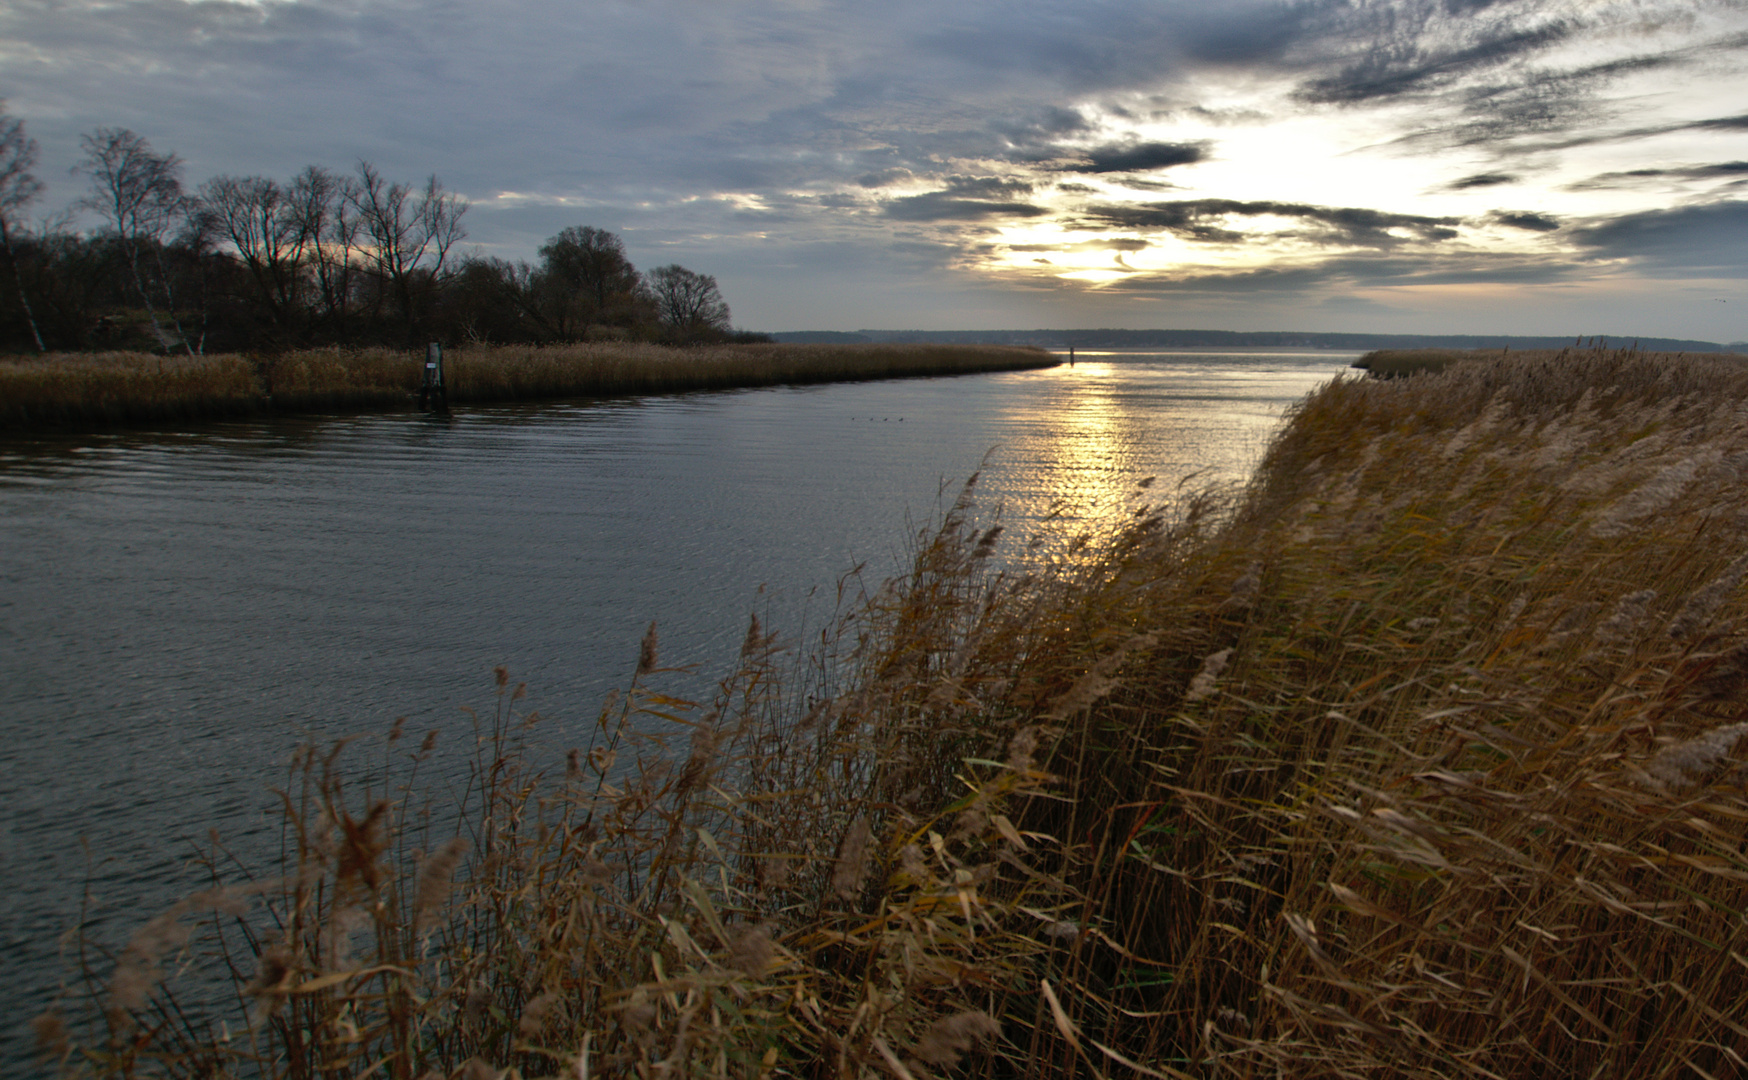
(65, 392)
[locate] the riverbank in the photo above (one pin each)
(1417, 757)
(71, 390)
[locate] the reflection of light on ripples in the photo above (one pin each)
(1113, 420)
(1086, 456)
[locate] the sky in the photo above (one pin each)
(1394, 166)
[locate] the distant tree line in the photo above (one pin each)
(254, 264)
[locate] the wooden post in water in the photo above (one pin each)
(434, 392)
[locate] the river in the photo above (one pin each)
(180, 609)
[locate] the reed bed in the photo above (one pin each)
(1397, 363)
(64, 390)
(1418, 757)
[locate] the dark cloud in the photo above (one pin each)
(1140, 157)
(1552, 103)
(939, 206)
(1481, 180)
(1640, 177)
(1189, 220)
(1393, 69)
(1201, 220)
(1116, 45)
(1225, 116)
(884, 178)
(967, 198)
(1468, 7)
(1726, 123)
(1114, 243)
(1141, 183)
(987, 187)
(1531, 222)
(1698, 240)
(1722, 123)
(1047, 125)
(1495, 77)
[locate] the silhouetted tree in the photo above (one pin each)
(689, 304)
(273, 232)
(402, 230)
(70, 279)
(586, 278)
(259, 264)
(324, 202)
(139, 194)
(491, 300)
(19, 187)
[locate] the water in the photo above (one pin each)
(179, 610)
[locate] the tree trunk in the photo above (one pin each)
(18, 283)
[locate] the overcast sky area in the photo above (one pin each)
(1419, 166)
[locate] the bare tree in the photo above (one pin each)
(324, 204)
(139, 194)
(402, 228)
(688, 302)
(19, 187)
(272, 232)
(440, 214)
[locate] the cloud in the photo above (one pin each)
(1200, 220)
(1526, 68)
(1140, 157)
(1137, 183)
(1481, 180)
(1724, 123)
(966, 198)
(1689, 240)
(1394, 68)
(988, 187)
(1112, 243)
(1641, 177)
(1114, 45)
(1531, 222)
(940, 206)
(1047, 125)
(1540, 102)
(884, 178)
(1720, 123)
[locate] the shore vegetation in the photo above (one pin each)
(1422, 755)
(325, 257)
(1400, 363)
(84, 390)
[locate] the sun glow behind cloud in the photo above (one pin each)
(1415, 177)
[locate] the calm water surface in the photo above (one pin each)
(179, 610)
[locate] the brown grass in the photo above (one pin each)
(82, 390)
(1423, 758)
